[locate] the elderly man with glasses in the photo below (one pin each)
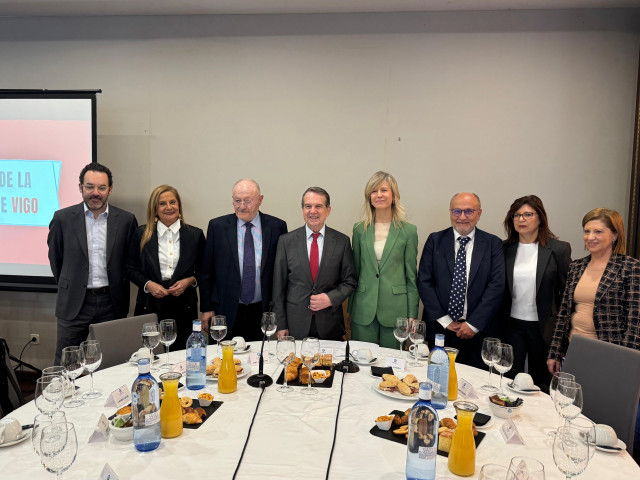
(236, 277)
(461, 281)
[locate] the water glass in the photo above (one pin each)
(570, 452)
(491, 471)
(58, 447)
(218, 329)
(490, 355)
(73, 361)
(504, 364)
(43, 420)
(310, 354)
(525, 467)
(150, 339)
(286, 352)
(417, 332)
(568, 399)
(587, 431)
(401, 331)
(553, 387)
(268, 325)
(168, 335)
(92, 360)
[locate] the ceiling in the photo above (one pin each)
(220, 7)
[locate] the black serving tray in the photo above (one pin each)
(328, 383)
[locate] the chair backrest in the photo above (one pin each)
(119, 338)
(610, 379)
(10, 394)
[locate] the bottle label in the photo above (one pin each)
(193, 366)
(426, 453)
(151, 418)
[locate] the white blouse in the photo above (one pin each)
(381, 232)
(523, 297)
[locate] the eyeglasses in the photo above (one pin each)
(87, 187)
(238, 202)
(468, 212)
(525, 215)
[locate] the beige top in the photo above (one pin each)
(583, 298)
(380, 235)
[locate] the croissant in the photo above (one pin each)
(191, 418)
(449, 423)
(291, 372)
(304, 375)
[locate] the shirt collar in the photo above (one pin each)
(471, 234)
(105, 213)
(162, 228)
(310, 232)
(255, 222)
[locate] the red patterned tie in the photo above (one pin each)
(314, 256)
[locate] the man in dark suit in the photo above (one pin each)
(461, 281)
(88, 249)
(230, 285)
(314, 273)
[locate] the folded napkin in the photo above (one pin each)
(379, 371)
(10, 430)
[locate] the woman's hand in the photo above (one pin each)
(553, 366)
(157, 290)
(180, 286)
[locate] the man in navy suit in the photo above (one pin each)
(232, 284)
(462, 302)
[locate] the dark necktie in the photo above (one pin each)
(314, 256)
(459, 285)
(248, 267)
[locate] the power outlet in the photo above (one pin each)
(34, 338)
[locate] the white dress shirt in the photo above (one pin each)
(256, 233)
(310, 241)
(97, 247)
(523, 298)
(168, 248)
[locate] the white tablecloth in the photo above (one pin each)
(292, 436)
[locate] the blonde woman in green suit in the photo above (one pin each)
(385, 249)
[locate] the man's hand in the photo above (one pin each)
(454, 326)
(157, 290)
(319, 302)
(282, 333)
(205, 319)
(464, 331)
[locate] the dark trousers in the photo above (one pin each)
(97, 307)
(247, 323)
(469, 349)
(527, 341)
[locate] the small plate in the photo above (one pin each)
(133, 359)
(620, 444)
(396, 395)
(247, 349)
(21, 438)
(532, 391)
(358, 362)
(246, 370)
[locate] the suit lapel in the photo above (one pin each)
(369, 237)
(302, 255)
(80, 227)
(510, 263)
(610, 273)
(449, 240)
(479, 249)
(232, 238)
(544, 254)
(388, 245)
(328, 247)
(266, 239)
(151, 250)
(112, 220)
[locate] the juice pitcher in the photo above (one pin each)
(170, 410)
(227, 379)
(453, 375)
(462, 457)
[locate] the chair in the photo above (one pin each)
(10, 394)
(119, 338)
(610, 379)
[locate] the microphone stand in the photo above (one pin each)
(260, 380)
(347, 366)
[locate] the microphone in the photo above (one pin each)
(347, 366)
(260, 380)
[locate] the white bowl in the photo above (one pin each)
(503, 412)
(123, 434)
(318, 380)
(205, 403)
(385, 425)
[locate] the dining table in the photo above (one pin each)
(292, 435)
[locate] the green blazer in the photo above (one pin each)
(387, 290)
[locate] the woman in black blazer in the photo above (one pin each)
(536, 265)
(164, 261)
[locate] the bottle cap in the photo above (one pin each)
(197, 326)
(144, 366)
(439, 340)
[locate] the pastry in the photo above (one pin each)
(216, 361)
(448, 423)
(191, 418)
(403, 430)
(124, 410)
(409, 379)
(404, 389)
(186, 401)
(296, 361)
(291, 372)
(304, 375)
(326, 360)
(210, 369)
(238, 369)
(200, 412)
(390, 378)
(387, 386)
(444, 439)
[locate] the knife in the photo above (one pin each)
(27, 427)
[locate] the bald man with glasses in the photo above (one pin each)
(461, 280)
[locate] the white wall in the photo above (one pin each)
(501, 103)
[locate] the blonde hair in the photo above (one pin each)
(613, 220)
(152, 211)
(398, 212)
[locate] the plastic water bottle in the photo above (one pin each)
(196, 358)
(438, 373)
(145, 407)
(422, 442)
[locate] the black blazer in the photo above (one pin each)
(220, 280)
(145, 265)
(551, 276)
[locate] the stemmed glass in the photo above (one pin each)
(58, 447)
(44, 420)
(490, 355)
(59, 371)
(286, 352)
(525, 467)
(73, 361)
(568, 399)
(218, 329)
(310, 354)
(587, 431)
(268, 326)
(168, 335)
(553, 387)
(50, 393)
(416, 334)
(570, 451)
(491, 471)
(150, 338)
(401, 331)
(506, 361)
(92, 360)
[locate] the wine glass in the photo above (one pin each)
(525, 467)
(286, 352)
(568, 399)
(490, 355)
(506, 361)
(44, 420)
(587, 431)
(168, 335)
(401, 331)
(491, 471)
(58, 447)
(59, 371)
(416, 334)
(73, 360)
(310, 354)
(218, 329)
(49, 394)
(92, 360)
(268, 326)
(557, 378)
(150, 339)
(570, 451)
